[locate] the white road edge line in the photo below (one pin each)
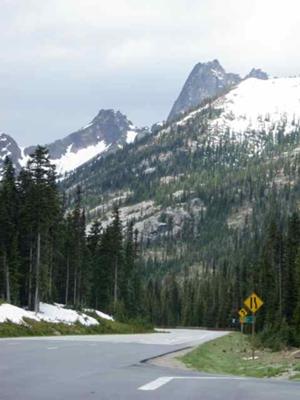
(153, 385)
(52, 348)
(157, 383)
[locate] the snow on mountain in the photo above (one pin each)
(9, 148)
(108, 131)
(54, 313)
(254, 110)
(257, 104)
(131, 135)
(72, 160)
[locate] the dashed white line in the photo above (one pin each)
(52, 348)
(157, 383)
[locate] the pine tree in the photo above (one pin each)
(44, 209)
(8, 232)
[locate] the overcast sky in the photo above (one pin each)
(63, 60)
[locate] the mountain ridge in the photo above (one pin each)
(207, 80)
(108, 130)
(153, 179)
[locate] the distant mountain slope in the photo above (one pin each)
(255, 111)
(205, 81)
(107, 131)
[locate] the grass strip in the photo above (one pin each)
(231, 355)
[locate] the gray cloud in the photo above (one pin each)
(62, 60)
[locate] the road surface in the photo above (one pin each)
(108, 367)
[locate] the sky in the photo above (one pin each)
(61, 61)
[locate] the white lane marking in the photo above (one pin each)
(13, 343)
(52, 348)
(153, 385)
(157, 383)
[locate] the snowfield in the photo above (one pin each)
(253, 110)
(55, 313)
(73, 159)
(255, 102)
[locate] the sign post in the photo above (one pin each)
(242, 313)
(253, 303)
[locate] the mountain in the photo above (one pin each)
(257, 73)
(197, 186)
(206, 80)
(255, 112)
(9, 148)
(108, 131)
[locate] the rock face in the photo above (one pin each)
(257, 73)
(205, 81)
(9, 148)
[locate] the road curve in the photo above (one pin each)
(108, 367)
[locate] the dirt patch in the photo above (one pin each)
(171, 360)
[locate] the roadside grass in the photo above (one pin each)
(42, 328)
(231, 355)
(295, 377)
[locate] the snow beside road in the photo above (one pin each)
(54, 313)
(15, 314)
(100, 314)
(57, 313)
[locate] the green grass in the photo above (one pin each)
(230, 355)
(295, 377)
(41, 328)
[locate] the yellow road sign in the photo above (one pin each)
(243, 313)
(253, 302)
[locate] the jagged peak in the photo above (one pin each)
(257, 73)
(104, 114)
(5, 137)
(206, 80)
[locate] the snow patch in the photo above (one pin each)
(131, 135)
(72, 160)
(15, 314)
(55, 313)
(100, 314)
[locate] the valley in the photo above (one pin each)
(167, 226)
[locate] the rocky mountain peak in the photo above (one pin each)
(257, 73)
(205, 81)
(108, 130)
(9, 148)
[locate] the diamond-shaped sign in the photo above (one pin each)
(253, 302)
(243, 313)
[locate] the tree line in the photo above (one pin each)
(211, 296)
(47, 255)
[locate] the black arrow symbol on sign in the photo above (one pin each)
(253, 302)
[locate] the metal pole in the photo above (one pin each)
(253, 334)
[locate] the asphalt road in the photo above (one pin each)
(109, 367)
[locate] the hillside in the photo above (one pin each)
(212, 196)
